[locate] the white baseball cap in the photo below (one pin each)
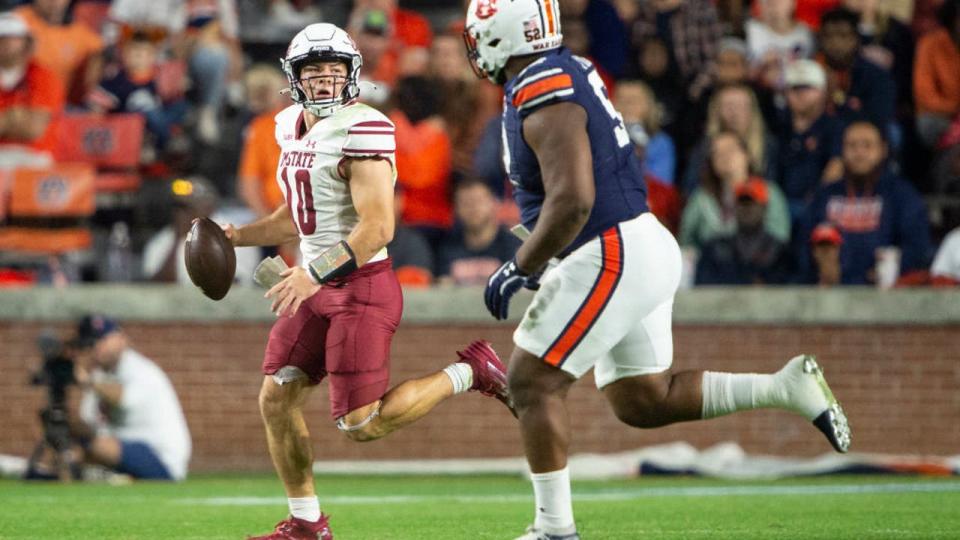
(12, 24)
(805, 73)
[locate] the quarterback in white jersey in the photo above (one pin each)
(311, 177)
(337, 313)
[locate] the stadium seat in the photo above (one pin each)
(111, 141)
(65, 190)
(47, 209)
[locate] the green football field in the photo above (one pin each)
(494, 507)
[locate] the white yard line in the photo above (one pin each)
(610, 495)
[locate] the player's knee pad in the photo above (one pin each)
(361, 430)
(288, 374)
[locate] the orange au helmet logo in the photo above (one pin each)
(486, 9)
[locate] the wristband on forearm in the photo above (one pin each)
(333, 263)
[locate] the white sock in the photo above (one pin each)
(305, 508)
(725, 393)
(461, 375)
(554, 509)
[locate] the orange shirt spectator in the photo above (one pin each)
(39, 89)
(31, 99)
(936, 83)
(408, 28)
(412, 29)
(424, 164)
(258, 165)
(66, 49)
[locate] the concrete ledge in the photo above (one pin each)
(715, 305)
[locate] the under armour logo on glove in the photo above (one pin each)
(503, 284)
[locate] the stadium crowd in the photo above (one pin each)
(783, 141)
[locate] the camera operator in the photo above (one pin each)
(134, 421)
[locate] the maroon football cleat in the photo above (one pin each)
(489, 373)
(299, 529)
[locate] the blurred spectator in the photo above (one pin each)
(945, 269)
(888, 43)
(68, 48)
(858, 89)
(627, 10)
(379, 58)
(734, 108)
(656, 69)
(825, 242)
(936, 79)
(776, 39)
(924, 19)
(945, 170)
(637, 103)
(710, 211)
(205, 33)
(732, 69)
(810, 140)
(608, 39)
(408, 28)
(479, 244)
(31, 99)
(663, 200)
(409, 250)
(488, 158)
(133, 419)
(257, 177)
(638, 106)
(576, 37)
(810, 12)
(733, 16)
(409, 32)
(691, 32)
(278, 19)
(733, 62)
(749, 256)
(466, 103)
(871, 208)
(424, 157)
(133, 89)
(263, 85)
(163, 254)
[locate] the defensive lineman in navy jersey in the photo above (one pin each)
(557, 76)
(606, 302)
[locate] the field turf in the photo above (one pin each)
(494, 507)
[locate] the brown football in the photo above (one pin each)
(210, 258)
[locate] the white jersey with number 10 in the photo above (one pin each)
(309, 171)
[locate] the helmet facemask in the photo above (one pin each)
(301, 90)
(490, 63)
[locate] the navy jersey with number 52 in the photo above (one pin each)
(559, 76)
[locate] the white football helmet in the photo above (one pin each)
(322, 42)
(497, 30)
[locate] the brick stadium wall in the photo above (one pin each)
(899, 385)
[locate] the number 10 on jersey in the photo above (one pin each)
(304, 214)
